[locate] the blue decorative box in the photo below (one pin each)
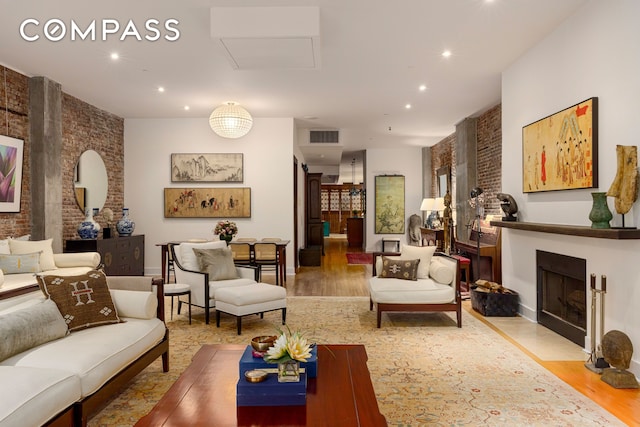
(248, 363)
(270, 392)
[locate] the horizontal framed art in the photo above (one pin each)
(207, 202)
(11, 154)
(207, 167)
(560, 152)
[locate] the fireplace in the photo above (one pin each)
(561, 294)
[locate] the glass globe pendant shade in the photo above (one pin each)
(230, 121)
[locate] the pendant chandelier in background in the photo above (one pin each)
(230, 120)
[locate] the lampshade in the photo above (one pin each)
(427, 204)
(230, 120)
(438, 204)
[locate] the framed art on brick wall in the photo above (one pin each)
(560, 152)
(389, 217)
(207, 167)
(207, 202)
(11, 154)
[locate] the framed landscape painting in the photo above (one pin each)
(207, 167)
(389, 216)
(207, 202)
(560, 152)
(11, 154)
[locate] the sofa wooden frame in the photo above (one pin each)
(78, 413)
(419, 306)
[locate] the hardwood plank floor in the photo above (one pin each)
(336, 278)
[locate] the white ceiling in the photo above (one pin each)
(368, 61)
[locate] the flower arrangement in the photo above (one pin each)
(289, 346)
(226, 228)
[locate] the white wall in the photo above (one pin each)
(268, 171)
(593, 53)
(404, 161)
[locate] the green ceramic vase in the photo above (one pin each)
(600, 214)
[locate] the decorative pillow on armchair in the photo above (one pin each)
(217, 262)
(423, 253)
(406, 269)
(84, 301)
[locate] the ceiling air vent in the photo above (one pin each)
(323, 136)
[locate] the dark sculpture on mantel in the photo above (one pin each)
(509, 206)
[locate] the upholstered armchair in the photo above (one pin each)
(203, 288)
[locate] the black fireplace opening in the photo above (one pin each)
(562, 294)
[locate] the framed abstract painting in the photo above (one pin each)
(560, 152)
(11, 155)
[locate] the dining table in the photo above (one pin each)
(281, 247)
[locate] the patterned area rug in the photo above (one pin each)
(425, 371)
(359, 258)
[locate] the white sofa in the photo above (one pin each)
(437, 287)
(61, 382)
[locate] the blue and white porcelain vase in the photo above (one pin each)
(125, 226)
(87, 228)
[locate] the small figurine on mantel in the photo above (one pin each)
(509, 206)
(625, 184)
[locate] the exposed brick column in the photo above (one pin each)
(45, 114)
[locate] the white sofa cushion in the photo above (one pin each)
(31, 396)
(29, 327)
(98, 353)
(4, 246)
(26, 247)
(440, 272)
(1, 278)
(134, 304)
(21, 263)
(77, 260)
(188, 258)
(423, 253)
(422, 291)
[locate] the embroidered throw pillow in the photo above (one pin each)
(406, 269)
(217, 262)
(84, 301)
(24, 263)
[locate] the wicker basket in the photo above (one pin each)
(495, 304)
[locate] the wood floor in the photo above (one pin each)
(336, 278)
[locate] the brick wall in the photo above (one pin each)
(489, 157)
(84, 127)
(14, 122)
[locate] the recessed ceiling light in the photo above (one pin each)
(408, 106)
(115, 56)
(160, 89)
(446, 53)
(186, 108)
(422, 88)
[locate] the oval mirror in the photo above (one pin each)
(90, 181)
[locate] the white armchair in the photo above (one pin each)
(203, 290)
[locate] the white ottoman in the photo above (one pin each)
(250, 299)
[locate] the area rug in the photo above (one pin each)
(359, 258)
(425, 370)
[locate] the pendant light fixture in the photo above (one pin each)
(230, 120)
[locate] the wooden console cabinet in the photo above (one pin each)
(121, 256)
(355, 231)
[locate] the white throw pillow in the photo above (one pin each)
(423, 253)
(135, 304)
(440, 272)
(4, 247)
(188, 258)
(26, 247)
(1, 278)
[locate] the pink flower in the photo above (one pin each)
(7, 170)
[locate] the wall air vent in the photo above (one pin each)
(323, 136)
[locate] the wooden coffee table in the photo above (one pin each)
(205, 394)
